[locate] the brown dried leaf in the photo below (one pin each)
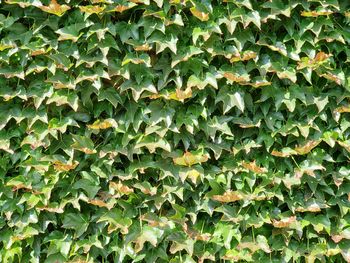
(337, 238)
(332, 77)
(194, 234)
(285, 222)
(313, 208)
(254, 168)
(236, 78)
(307, 147)
(144, 47)
(122, 8)
(100, 203)
(121, 188)
(319, 59)
(228, 197)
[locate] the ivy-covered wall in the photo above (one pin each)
(174, 131)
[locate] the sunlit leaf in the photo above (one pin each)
(55, 8)
(191, 158)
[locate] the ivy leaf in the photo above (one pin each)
(116, 221)
(148, 234)
(202, 16)
(78, 222)
(191, 158)
(54, 8)
(83, 144)
(230, 100)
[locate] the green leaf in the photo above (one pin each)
(78, 222)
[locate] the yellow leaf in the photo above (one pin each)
(190, 173)
(6, 46)
(181, 95)
(200, 15)
(102, 125)
(92, 9)
(64, 167)
(316, 13)
(178, 95)
(55, 8)
(341, 109)
(189, 159)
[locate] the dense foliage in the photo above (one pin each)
(174, 131)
